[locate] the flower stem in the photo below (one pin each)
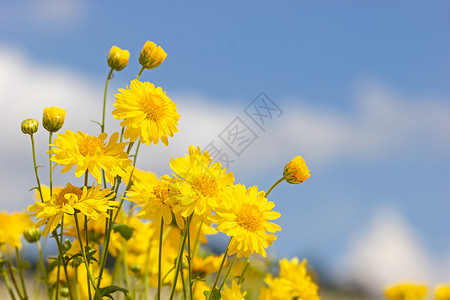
(158, 294)
(61, 259)
(86, 262)
(189, 258)
(50, 141)
(228, 273)
(13, 279)
(140, 73)
(8, 284)
(220, 269)
(20, 267)
(274, 185)
(179, 257)
(104, 97)
(44, 271)
(244, 268)
(35, 167)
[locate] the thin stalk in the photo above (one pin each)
(61, 258)
(274, 185)
(8, 284)
(189, 262)
(158, 294)
(50, 141)
(228, 273)
(140, 73)
(35, 167)
(13, 279)
(220, 269)
(20, 267)
(87, 241)
(104, 97)
(83, 253)
(44, 271)
(124, 265)
(179, 258)
(244, 268)
(197, 238)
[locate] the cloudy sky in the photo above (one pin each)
(359, 90)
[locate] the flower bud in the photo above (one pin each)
(136, 269)
(29, 126)
(118, 58)
(296, 171)
(53, 118)
(151, 55)
(32, 235)
(64, 292)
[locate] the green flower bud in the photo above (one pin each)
(32, 235)
(29, 126)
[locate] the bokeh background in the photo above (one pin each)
(362, 87)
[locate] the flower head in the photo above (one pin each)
(406, 291)
(90, 153)
(118, 58)
(146, 112)
(442, 292)
(53, 118)
(92, 203)
(296, 170)
(233, 293)
(243, 214)
(12, 227)
(29, 126)
(151, 55)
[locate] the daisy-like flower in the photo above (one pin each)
(156, 200)
(233, 293)
(92, 203)
(200, 182)
(243, 214)
(91, 153)
(406, 291)
(147, 113)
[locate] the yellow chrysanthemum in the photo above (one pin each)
(155, 200)
(147, 113)
(92, 203)
(139, 176)
(442, 292)
(243, 214)
(406, 291)
(91, 153)
(233, 293)
(296, 171)
(12, 227)
(200, 182)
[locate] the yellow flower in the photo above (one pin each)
(199, 287)
(29, 126)
(139, 176)
(53, 118)
(200, 182)
(292, 283)
(156, 200)
(406, 291)
(90, 153)
(118, 58)
(12, 227)
(151, 55)
(147, 113)
(442, 292)
(91, 202)
(296, 171)
(208, 265)
(233, 293)
(244, 215)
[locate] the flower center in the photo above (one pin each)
(249, 217)
(160, 192)
(89, 144)
(70, 189)
(151, 106)
(206, 185)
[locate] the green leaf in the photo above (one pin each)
(216, 294)
(125, 231)
(108, 290)
(98, 123)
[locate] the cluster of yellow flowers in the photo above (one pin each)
(158, 245)
(411, 291)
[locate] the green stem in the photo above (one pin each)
(179, 258)
(8, 284)
(124, 264)
(228, 273)
(86, 262)
(13, 279)
(197, 238)
(158, 294)
(244, 268)
(61, 259)
(50, 141)
(104, 97)
(20, 267)
(189, 262)
(44, 271)
(220, 269)
(140, 73)
(87, 240)
(274, 185)
(35, 167)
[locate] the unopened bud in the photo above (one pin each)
(32, 235)
(151, 55)
(53, 118)
(29, 126)
(296, 171)
(118, 58)
(64, 292)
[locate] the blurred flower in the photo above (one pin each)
(296, 171)
(243, 214)
(151, 55)
(233, 293)
(147, 113)
(207, 265)
(90, 153)
(139, 176)
(53, 118)
(200, 182)
(442, 292)
(91, 202)
(12, 227)
(406, 291)
(29, 126)
(118, 58)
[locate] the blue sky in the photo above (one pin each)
(363, 88)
